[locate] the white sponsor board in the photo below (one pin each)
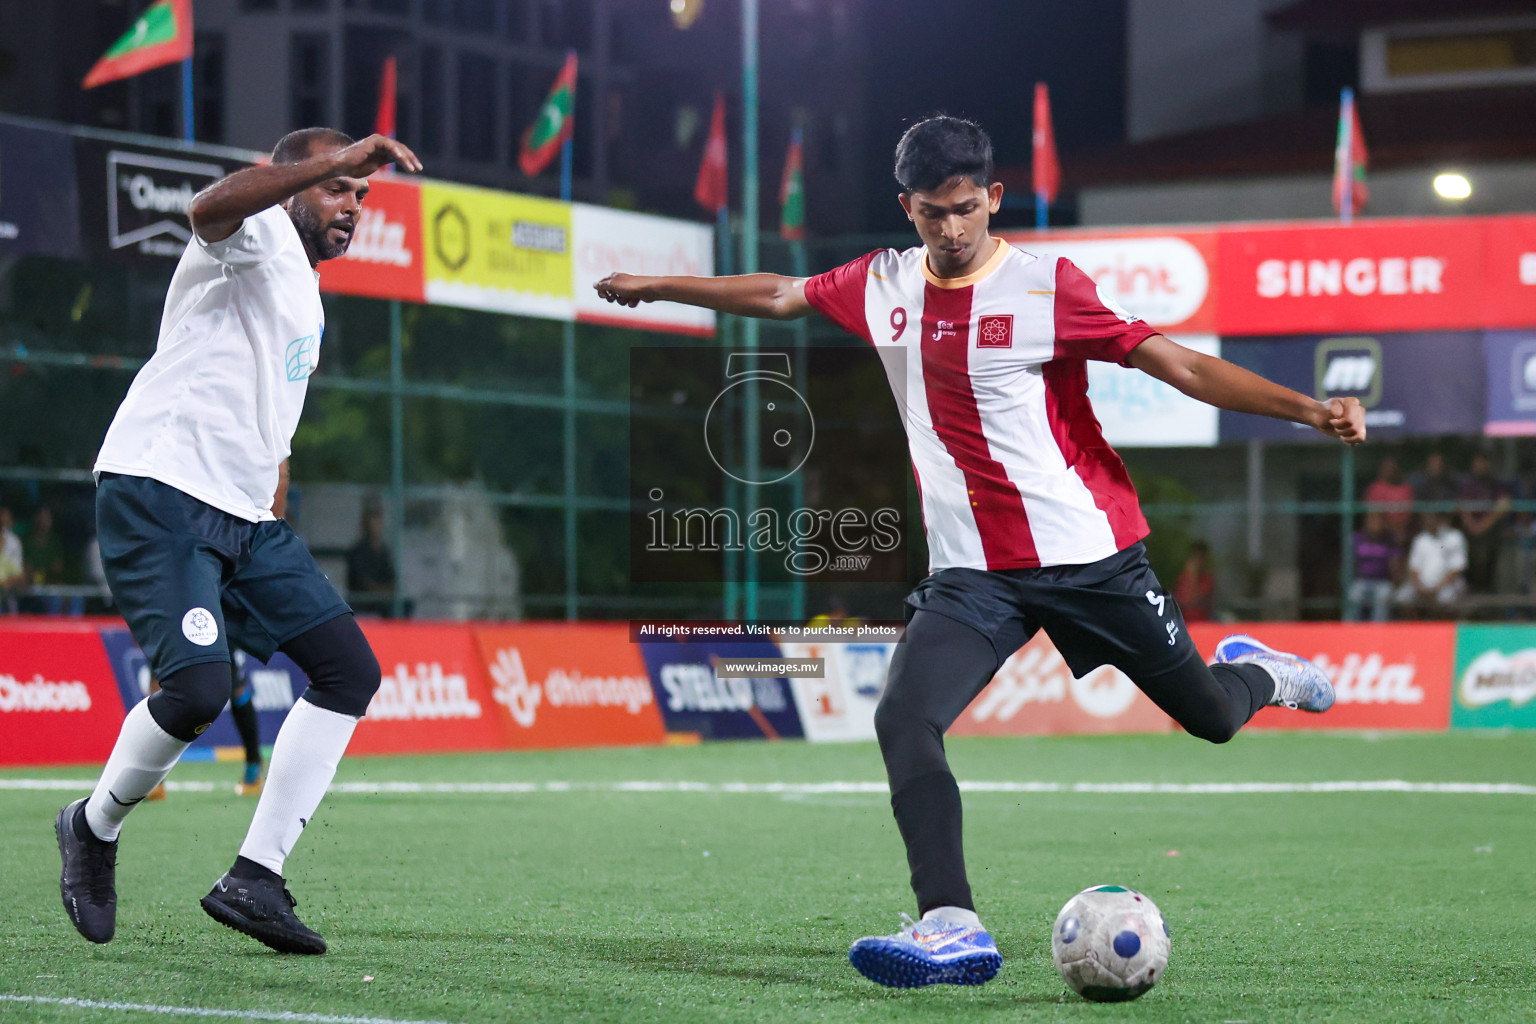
(635, 243)
(1137, 410)
(840, 706)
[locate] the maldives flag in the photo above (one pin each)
(792, 192)
(1047, 169)
(555, 122)
(384, 123)
(1349, 160)
(711, 189)
(162, 35)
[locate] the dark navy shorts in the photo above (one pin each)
(1109, 612)
(193, 581)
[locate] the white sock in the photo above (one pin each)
(304, 759)
(143, 756)
(954, 915)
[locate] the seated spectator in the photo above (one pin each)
(1195, 589)
(371, 569)
(1482, 519)
(1378, 563)
(1437, 565)
(45, 563)
(1433, 482)
(1391, 495)
(13, 575)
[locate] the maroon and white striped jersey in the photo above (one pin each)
(989, 374)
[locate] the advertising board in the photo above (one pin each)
(58, 701)
(569, 684)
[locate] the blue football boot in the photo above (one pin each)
(930, 952)
(1299, 684)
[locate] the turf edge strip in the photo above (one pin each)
(200, 1011)
(811, 788)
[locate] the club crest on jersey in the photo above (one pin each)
(995, 331)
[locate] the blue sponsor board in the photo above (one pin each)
(694, 699)
(1511, 383)
(1421, 383)
(39, 211)
(274, 685)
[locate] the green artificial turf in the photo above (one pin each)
(598, 905)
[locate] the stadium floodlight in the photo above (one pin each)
(1451, 185)
(685, 12)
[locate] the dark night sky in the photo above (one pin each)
(981, 59)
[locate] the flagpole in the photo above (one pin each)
(568, 375)
(1042, 211)
(749, 226)
(1347, 171)
(186, 100)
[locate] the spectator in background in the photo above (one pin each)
(1391, 495)
(1195, 589)
(1437, 565)
(1378, 563)
(371, 568)
(1433, 482)
(13, 575)
(44, 551)
(1486, 506)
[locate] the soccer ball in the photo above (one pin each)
(1110, 943)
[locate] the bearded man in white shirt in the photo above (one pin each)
(196, 559)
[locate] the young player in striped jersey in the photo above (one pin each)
(1031, 519)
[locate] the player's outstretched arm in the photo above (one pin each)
(765, 296)
(1220, 383)
(218, 210)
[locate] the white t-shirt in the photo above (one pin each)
(213, 411)
(1434, 556)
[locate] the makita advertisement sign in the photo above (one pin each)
(134, 199)
(1425, 383)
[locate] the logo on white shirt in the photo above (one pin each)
(299, 360)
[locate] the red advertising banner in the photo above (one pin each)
(1511, 270)
(1388, 676)
(1034, 694)
(58, 697)
(384, 260)
(434, 695)
(1390, 275)
(569, 685)
(1166, 277)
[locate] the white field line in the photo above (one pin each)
(812, 788)
(199, 1011)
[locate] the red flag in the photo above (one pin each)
(1349, 159)
(711, 189)
(384, 123)
(161, 35)
(555, 121)
(1047, 169)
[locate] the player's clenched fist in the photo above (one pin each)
(625, 289)
(1345, 420)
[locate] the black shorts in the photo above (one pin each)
(193, 581)
(1109, 612)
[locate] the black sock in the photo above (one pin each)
(1257, 683)
(243, 710)
(249, 869)
(82, 827)
(927, 812)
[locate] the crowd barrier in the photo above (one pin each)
(65, 685)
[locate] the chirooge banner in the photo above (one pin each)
(569, 684)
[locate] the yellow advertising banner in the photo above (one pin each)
(497, 251)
